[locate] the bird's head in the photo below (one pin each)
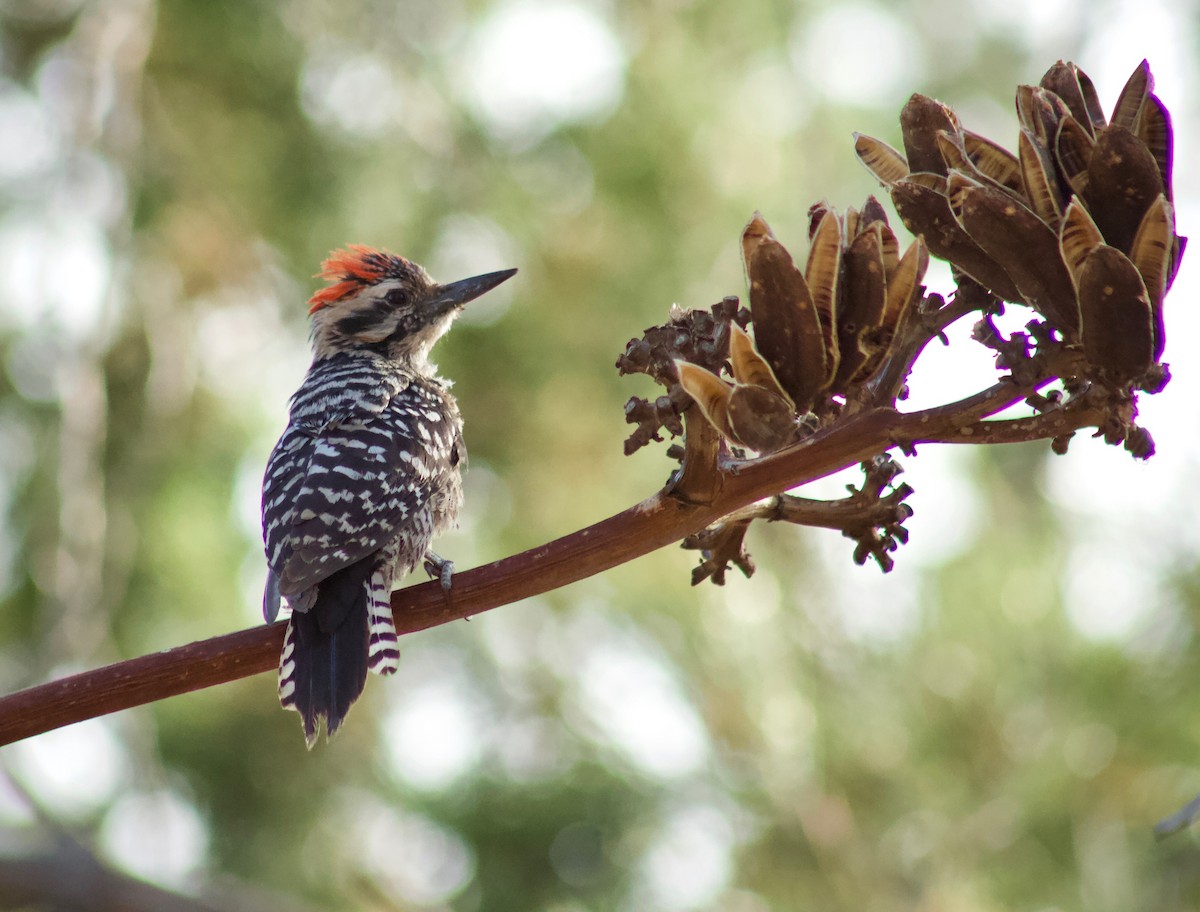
(380, 302)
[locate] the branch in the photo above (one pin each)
(930, 321)
(656, 522)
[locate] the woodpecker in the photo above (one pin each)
(367, 472)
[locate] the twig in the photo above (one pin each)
(929, 322)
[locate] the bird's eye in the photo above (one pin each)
(396, 296)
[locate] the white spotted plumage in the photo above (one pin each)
(367, 472)
(347, 480)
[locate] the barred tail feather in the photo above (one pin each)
(287, 670)
(323, 666)
(383, 650)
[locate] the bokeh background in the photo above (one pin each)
(996, 724)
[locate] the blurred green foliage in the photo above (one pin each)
(950, 737)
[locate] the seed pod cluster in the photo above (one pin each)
(1077, 224)
(700, 337)
(818, 332)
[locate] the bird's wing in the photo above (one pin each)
(355, 485)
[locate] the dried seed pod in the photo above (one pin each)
(1151, 251)
(1063, 80)
(935, 182)
(890, 247)
(950, 145)
(920, 120)
(849, 224)
(955, 186)
(749, 367)
(1152, 254)
(863, 303)
(993, 160)
(1072, 153)
(904, 287)
(1154, 129)
(1039, 181)
(1129, 103)
(1027, 248)
(1078, 237)
(816, 214)
(1025, 105)
(1039, 112)
(903, 291)
(823, 274)
(1123, 181)
(1118, 333)
(760, 418)
(880, 159)
(872, 211)
(954, 152)
(1091, 99)
(787, 329)
(927, 212)
(1057, 109)
(709, 392)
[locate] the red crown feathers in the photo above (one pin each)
(349, 269)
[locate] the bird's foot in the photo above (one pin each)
(441, 570)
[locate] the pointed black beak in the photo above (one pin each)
(456, 294)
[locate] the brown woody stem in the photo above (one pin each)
(648, 526)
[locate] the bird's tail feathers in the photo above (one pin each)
(323, 665)
(383, 651)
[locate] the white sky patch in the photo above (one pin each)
(14, 806)
(872, 607)
(947, 511)
(947, 508)
(53, 270)
(511, 636)
(409, 855)
(787, 722)
(535, 64)
(1035, 23)
(1088, 749)
(352, 91)
(752, 602)
(470, 246)
(1146, 29)
(90, 190)
(74, 771)
(558, 175)
(770, 100)
(690, 861)
(245, 353)
(491, 493)
(433, 735)
(632, 698)
(857, 54)
(533, 748)
(1131, 523)
(29, 145)
(252, 578)
(156, 835)
(1114, 575)
(18, 454)
(247, 495)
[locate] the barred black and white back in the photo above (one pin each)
(365, 475)
(367, 472)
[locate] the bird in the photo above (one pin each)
(366, 474)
